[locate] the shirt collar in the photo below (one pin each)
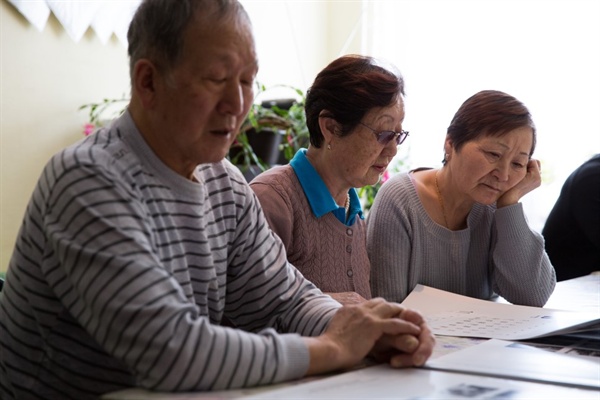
(318, 195)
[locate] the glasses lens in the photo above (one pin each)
(402, 137)
(385, 137)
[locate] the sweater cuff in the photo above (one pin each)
(295, 357)
(510, 221)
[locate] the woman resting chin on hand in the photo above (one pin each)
(461, 227)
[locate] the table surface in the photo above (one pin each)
(579, 294)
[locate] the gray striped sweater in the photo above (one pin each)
(123, 271)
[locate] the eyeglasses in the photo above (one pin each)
(384, 137)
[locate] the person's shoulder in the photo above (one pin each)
(589, 169)
(396, 193)
(397, 182)
(274, 175)
(398, 177)
(99, 150)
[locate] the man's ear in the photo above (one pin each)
(328, 126)
(145, 77)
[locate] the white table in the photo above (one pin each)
(382, 382)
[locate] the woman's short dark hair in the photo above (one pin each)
(489, 113)
(347, 89)
(157, 29)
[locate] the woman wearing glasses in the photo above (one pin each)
(354, 113)
(461, 227)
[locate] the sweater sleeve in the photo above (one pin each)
(111, 275)
(522, 272)
(389, 243)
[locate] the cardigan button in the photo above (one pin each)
(349, 273)
(349, 249)
(349, 232)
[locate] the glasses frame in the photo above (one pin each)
(400, 137)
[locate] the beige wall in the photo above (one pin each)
(296, 39)
(45, 77)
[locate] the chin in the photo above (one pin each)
(371, 180)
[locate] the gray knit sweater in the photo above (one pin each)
(497, 252)
(123, 270)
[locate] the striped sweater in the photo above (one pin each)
(123, 271)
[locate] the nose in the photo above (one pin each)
(501, 172)
(391, 148)
(232, 101)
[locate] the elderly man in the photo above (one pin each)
(141, 239)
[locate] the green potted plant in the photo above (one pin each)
(102, 112)
(280, 123)
(272, 132)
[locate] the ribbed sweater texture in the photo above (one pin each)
(496, 254)
(123, 270)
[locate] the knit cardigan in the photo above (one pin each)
(328, 253)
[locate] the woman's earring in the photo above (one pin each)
(328, 146)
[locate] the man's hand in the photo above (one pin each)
(406, 350)
(386, 330)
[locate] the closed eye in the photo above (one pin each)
(492, 155)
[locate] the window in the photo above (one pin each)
(545, 53)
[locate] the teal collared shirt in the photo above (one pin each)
(318, 195)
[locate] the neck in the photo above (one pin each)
(161, 148)
(454, 210)
(318, 159)
(441, 199)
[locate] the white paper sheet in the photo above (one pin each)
(577, 294)
(519, 361)
(451, 314)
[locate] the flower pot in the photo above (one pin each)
(264, 144)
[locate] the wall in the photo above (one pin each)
(296, 39)
(45, 77)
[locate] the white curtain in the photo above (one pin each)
(544, 52)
